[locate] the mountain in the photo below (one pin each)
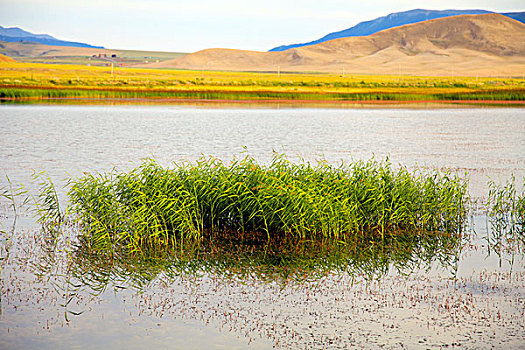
(489, 44)
(395, 20)
(20, 35)
(518, 16)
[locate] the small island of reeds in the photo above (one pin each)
(153, 208)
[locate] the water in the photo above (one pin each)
(50, 301)
(482, 142)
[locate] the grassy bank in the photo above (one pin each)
(153, 207)
(19, 81)
(29, 93)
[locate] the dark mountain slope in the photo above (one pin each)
(20, 35)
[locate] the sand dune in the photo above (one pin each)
(490, 44)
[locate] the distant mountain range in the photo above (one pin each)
(20, 35)
(395, 20)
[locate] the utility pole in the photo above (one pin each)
(343, 71)
(278, 71)
(111, 70)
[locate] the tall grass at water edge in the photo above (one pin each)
(153, 207)
(22, 93)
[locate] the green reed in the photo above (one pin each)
(506, 214)
(154, 207)
(14, 94)
(15, 194)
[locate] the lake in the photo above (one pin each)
(426, 294)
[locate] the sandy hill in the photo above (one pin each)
(6, 59)
(489, 44)
(392, 20)
(396, 19)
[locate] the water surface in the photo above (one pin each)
(50, 300)
(483, 142)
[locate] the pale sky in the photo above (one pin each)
(191, 25)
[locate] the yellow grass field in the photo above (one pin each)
(246, 85)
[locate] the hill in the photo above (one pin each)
(33, 49)
(489, 44)
(6, 59)
(19, 35)
(40, 53)
(395, 20)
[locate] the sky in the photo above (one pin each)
(192, 25)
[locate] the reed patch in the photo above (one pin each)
(156, 208)
(505, 208)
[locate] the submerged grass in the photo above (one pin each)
(284, 261)
(154, 208)
(506, 214)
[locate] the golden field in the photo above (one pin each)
(116, 82)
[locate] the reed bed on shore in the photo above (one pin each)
(155, 207)
(23, 93)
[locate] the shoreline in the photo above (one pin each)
(262, 102)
